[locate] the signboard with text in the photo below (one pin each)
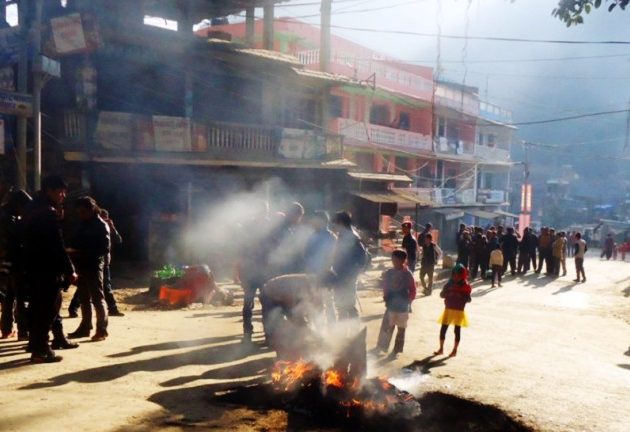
(171, 134)
(68, 34)
(115, 130)
(16, 103)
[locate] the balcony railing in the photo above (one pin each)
(125, 133)
(453, 146)
(492, 153)
(364, 134)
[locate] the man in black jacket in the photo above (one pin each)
(48, 269)
(92, 246)
(510, 248)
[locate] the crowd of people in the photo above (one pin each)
(38, 266)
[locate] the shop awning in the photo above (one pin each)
(508, 214)
(482, 214)
(450, 213)
(390, 197)
(380, 177)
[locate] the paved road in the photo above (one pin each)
(551, 351)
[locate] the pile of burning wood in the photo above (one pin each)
(342, 390)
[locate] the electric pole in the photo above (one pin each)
(324, 58)
(37, 95)
(22, 87)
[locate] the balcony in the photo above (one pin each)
(454, 146)
(164, 138)
(366, 135)
(448, 196)
(492, 153)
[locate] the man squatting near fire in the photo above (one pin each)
(399, 290)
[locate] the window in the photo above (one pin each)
(404, 121)
(379, 115)
(492, 140)
(335, 106)
(441, 127)
(481, 139)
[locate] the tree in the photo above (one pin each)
(572, 12)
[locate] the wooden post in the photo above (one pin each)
(22, 87)
(268, 36)
(37, 98)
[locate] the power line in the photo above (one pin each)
(485, 38)
(560, 119)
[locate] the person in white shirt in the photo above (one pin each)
(579, 250)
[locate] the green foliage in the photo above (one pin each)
(168, 272)
(572, 12)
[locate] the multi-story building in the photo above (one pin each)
(158, 124)
(441, 153)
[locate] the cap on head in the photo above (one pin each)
(344, 219)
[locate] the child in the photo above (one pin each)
(399, 290)
(410, 245)
(496, 264)
(456, 293)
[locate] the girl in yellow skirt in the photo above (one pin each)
(456, 293)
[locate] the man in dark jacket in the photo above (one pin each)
(524, 248)
(510, 247)
(349, 261)
(430, 256)
(91, 246)
(478, 254)
(48, 269)
(12, 257)
(112, 306)
(410, 245)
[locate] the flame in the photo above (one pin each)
(332, 378)
(289, 375)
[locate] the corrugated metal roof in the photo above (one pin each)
(325, 76)
(390, 197)
(481, 214)
(380, 177)
(271, 55)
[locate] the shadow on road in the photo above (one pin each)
(566, 288)
(174, 345)
(626, 292)
(252, 370)
(425, 365)
(483, 292)
(208, 356)
(624, 366)
(627, 352)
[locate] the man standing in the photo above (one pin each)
(318, 257)
(48, 270)
(92, 246)
(430, 256)
(12, 256)
(523, 252)
(349, 261)
(410, 245)
(579, 251)
(544, 250)
(510, 247)
(112, 307)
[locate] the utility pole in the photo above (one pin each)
(627, 144)
(268, 18)
(324, 58)
(37, 96)
(22, 87)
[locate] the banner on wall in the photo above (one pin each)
(68, 34)
(171, 134)
(115, 130)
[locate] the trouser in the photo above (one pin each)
(608, 253)
(544, 257)
(346, 300)
(458, 332)
(556, 265)
(44, 304)
(484, 265)
(532, 256)
(523, 262)
(497, 270)
(427, 270)
(250, 288)
(14, 306)
(90, 289)
(579, 268)
(563, 263)
(386, 333)
(509, 258)
(75, 303)
(412, 265)
(474, 267)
